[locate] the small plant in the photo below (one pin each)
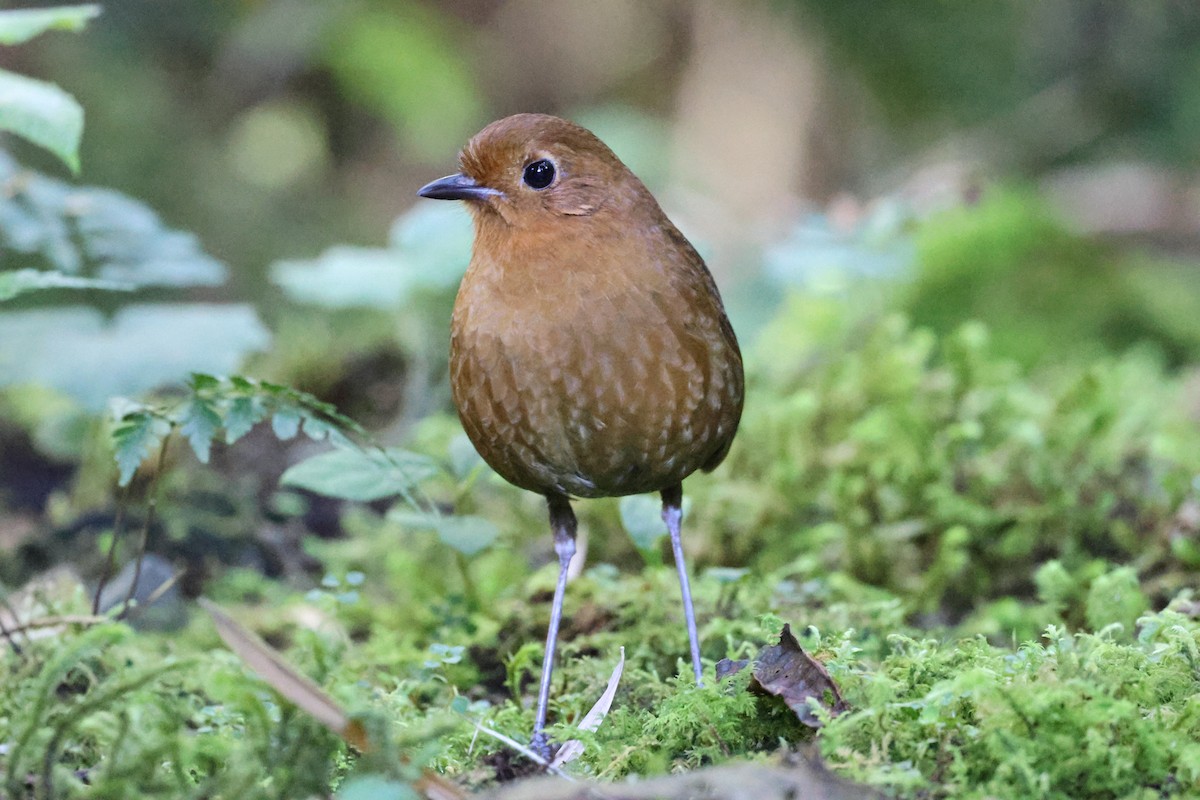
(38, 111)
(930, 467)
(1070, 715)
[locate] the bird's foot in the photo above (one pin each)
(540, 744)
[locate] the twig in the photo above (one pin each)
(158, 592)
(6, 606)
(110, 561)
(51, 622)
(523, 750)
(469, 590)
(151, 508)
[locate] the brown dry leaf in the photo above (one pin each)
(573, 748)
(286, 679)
(786, 671)
(727, 666)
(271, 666)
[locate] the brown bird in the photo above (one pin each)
(590, 354)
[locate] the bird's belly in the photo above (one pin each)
(573, 412)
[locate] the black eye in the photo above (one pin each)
(539, 174)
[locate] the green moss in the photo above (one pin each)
(975, 554)
(1069, 715)
(105, 713)
(1048, 294)
(932, 468)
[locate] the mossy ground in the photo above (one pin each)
(995, 564)
(993, 569)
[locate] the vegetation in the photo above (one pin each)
(967, 479)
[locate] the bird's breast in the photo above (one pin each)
(591, 385)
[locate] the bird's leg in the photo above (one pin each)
(672, 514)
(562, 522)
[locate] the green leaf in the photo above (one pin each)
(42, 113)
(137, 435)
(92, 357)
(204, 383)
(346, 277)
(429, 248)
(464, 459)
(286, 423)
(321, 430)
(243, 414)
(641, 516)
(21, 281)
(435, 242)
(24, 24)
(242, 384)
(199, 423)
(311, 407)
(360, 475)
(466, 534)
(53, 225)
(726, 574)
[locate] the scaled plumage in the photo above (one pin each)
(590, 352)
(589, 357)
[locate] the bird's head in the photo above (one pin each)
(529, 169)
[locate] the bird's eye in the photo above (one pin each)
(539, 174)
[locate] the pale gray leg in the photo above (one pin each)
(562, 522)
(672, 514)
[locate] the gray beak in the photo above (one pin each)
(456, 187)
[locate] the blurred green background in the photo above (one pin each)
(960, 244)
(276, 129)
(1028, 165)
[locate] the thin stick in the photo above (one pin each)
(158, 592)
(4, 629)
(151, 508)
(523, 750)
(51, 622)
(110, 561)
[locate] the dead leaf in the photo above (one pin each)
(727, 666)
(786, 671)
(572, 748)
(271, 666)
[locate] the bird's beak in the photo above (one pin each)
(456, 187)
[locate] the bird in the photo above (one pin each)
(590, 352)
